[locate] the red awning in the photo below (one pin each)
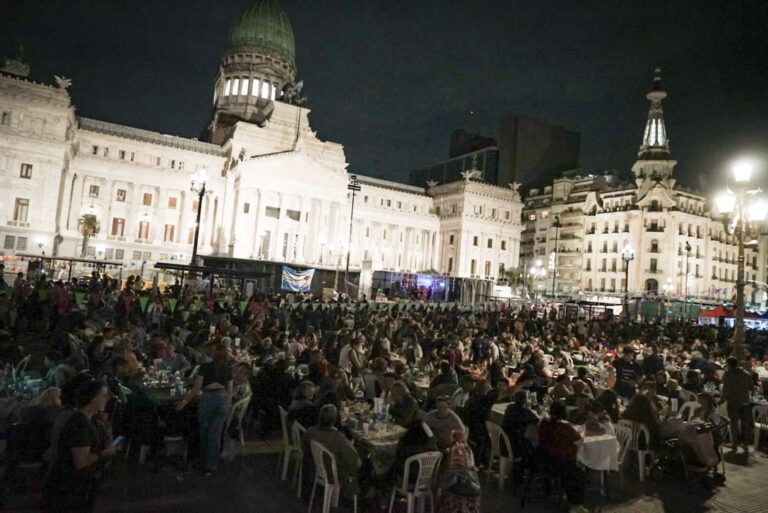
(719, 311)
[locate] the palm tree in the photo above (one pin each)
(88, 226)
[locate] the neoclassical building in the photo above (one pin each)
(277, 192)
(600, 215)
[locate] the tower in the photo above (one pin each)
(258, 63)
(654, 163)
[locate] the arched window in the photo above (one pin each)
(654, 246)
(651, 285)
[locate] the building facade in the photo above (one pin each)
(679, 245)
(275, 192)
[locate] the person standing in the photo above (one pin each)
(215, 381)
(80, 450)
(737, 383)
(628, 373)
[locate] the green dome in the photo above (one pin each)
(264, 25)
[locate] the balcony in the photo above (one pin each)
(657, 229)
(653, 271)
(591, 231)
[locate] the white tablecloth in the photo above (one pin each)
(599, 452)
(500, 408)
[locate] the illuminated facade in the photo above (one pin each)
(601, 215)
(278, 192)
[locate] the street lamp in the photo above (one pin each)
(198, 186)
(685, 295)
(353, 186)
(627, 254)
(536, 272)
(557, 226)
(41, 242)
(735, 203)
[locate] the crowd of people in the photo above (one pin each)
(81, 357)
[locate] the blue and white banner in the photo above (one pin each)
(297, 281)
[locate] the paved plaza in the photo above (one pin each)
(251, 484)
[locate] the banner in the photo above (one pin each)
(172, 303)
(243, 304)
(79, 297)
(143, 300)
(297, 281)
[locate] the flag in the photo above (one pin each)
(243, 304)
(79, 297)
(297, 281)
(172, 303)
(143, 300)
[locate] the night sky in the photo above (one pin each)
(390, 79)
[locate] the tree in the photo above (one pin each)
(87, 225)
(514, 276)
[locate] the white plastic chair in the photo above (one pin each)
(330, 483)
(638, 430)
(674, 404)
(549, 359)
(288, 449)
(428, 463)
(238, 412)
(624, 437)
(688, 409)
(568, 360)
(760, 420)
(498, 436)
(688, 396)
(297, 433)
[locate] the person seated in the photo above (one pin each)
(673, 391)
(557, 439)
(580, 414)
(443, 421)
(347, 460)
(242, 382)
(174, 361)
(598, 420)
(610, 401)
(693, 382)
(518, 417)
(462, 394)
(660, 380)
(44, 408)
(583, 374)
(563, 387)
(404, 409)
(303, 409)
(59, 371)
(418, 438)
(447, 375)
(641, 410)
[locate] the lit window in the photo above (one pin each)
(227, 87)
(255, 88)
(172, 202)
(168, 233)
(235, 85)
(265, 90)
(147, 200)
(531, 217)
(244, 86)
(545, 214)
(21, 210)
(274, 91)
(118, 226)
(144, 230)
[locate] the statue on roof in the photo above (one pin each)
(431, 183)
(515, 186)
(292, 93)
(63, 82)
(471, 174)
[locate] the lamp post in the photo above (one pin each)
(198, 186)
(557, 226)
(736, 203)
(627, 255)
(685, 294)
(536, 272)
(353, 186)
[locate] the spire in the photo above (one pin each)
(655, 143)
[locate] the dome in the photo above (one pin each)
(264, 25)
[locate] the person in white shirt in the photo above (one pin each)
(350, 355)
(461, 395)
